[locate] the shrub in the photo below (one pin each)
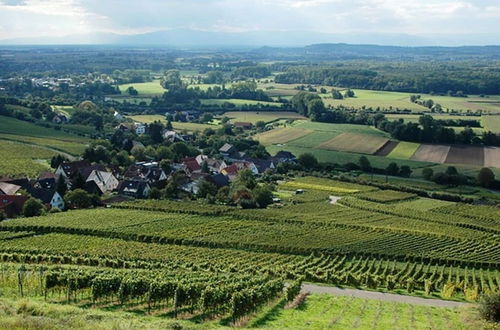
(32, 208)
(490, 307)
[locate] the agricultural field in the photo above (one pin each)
(354, 142)
(491, 123)
(147, 119)
(217, 264)
(66, 110)
(281, 135)
(265, 116)
(239, 102)
(424, 204)
(17, 130)
(151, 88)
(404, 150)
(19, 159)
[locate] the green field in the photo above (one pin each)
(64, 109)
(281, 135)
(404, 150)
(169, 258)
(239, 102)
(322, 311)
(18, 159)
(266, 116)
(491, 123)
(17, 130)
(148, 88)
(147, 119)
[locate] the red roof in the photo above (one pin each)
(231, 169)
(192, 165)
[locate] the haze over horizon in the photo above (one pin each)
(224, 22)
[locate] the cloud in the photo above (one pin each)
(415, 17)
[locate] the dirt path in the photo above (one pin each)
(311, 288)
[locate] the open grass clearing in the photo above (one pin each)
(148, 119)
(265, 116)
(281, 135)
(339, 128)
(323, 311)
(353, 142)
(146, 88)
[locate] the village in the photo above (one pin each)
(137, 181)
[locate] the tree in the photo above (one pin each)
(364, 164)
(165, 165)
(405, 171)
(205, 189)
(260, 124)
(485, 177)
(349, 93)
(245, 179)
(308, 161)
(2, 215)
(427, 173)
(392, 169)
(32, 208)
(207, 117)
(337, 95)
(57, 160)
(263, 196)
(78, 182)
(451, 170)
(62, 187)
(132, 91)
(78, 199)
(155, 193)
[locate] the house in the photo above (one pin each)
(219, 180)
(191, 166)
(49, 197)
(140, 128)
(243, 125)
(261, 165)
(122, 127)
(8, 188)
(118, 116)
(60, 119)
(230, 171)
(283, 157)
(87, 171)
(148, 171)
(243, 164)
(215, 165)
(172, 136)
(105, 181)
(69, 169)
(12, 205)
(227, 149)
(134, 188)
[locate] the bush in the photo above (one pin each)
(79, 199)
(489, 307)
(32, 208)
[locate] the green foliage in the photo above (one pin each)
(79, 199)
(485, 177)
(489, 307)
(32, 208)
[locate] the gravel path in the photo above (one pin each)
(311, 288)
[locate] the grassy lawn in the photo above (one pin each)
(404, 150)
(321, 311)
(281, 135)
(147, 88)
(265, 116)
(339, 128)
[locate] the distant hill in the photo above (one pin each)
(196, 38)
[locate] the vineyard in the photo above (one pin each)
(182, 257)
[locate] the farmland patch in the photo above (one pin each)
(404, 150)
(387, 148)
(281, 135)
(431, 153)
(354, 142)
(492, 157)
(470, 155)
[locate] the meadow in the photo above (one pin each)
(150, 88)
(239, 102)
(147, 119)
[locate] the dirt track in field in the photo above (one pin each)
(312, 288)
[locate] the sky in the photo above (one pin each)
(52, 18)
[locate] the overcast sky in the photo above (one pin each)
(28, 18)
